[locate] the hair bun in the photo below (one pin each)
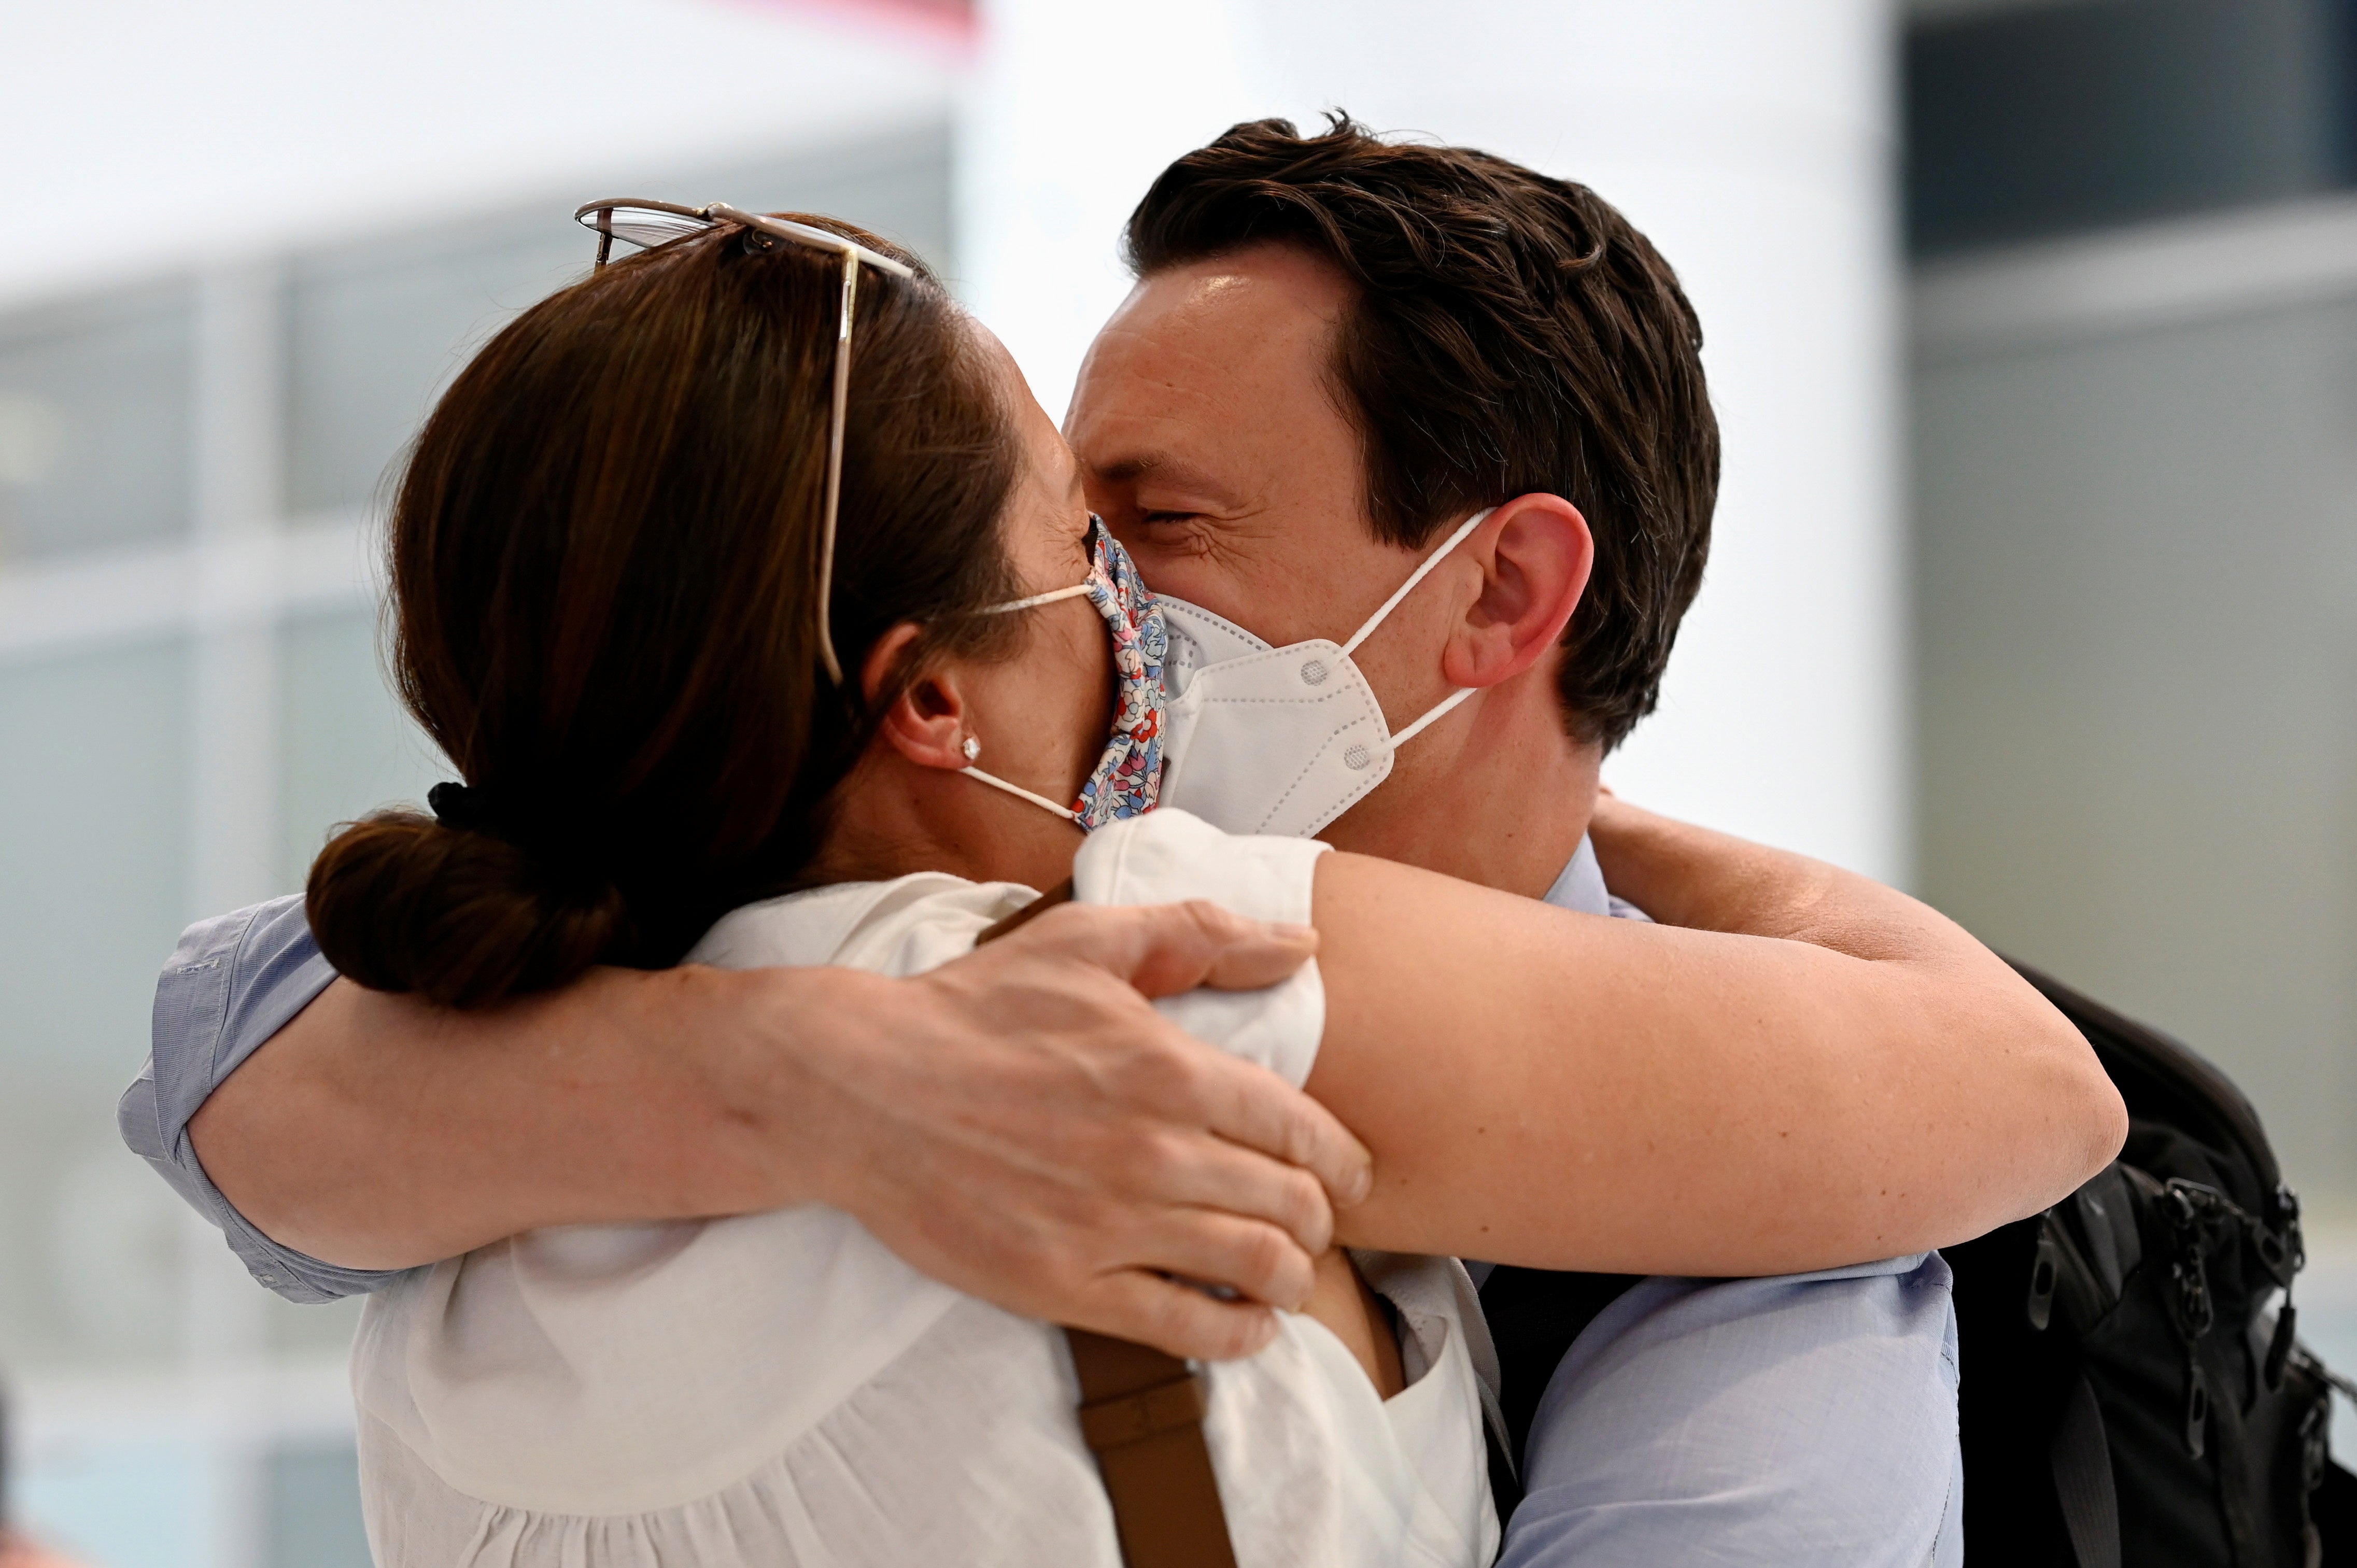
(401, 901)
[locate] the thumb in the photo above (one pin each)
(1163, 950)
(1182, 946)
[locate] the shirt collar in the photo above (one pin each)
(1581, 886)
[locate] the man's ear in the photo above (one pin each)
(1535, 554)
(926, 723)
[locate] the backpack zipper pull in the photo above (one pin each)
(2197, 1404)
(2187, 1207)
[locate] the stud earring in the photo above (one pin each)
(972, 748)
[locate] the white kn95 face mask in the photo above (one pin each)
(1258, 739)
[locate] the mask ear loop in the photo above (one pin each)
(1423, 569)
(974, 746)
(1035, 601)
(1448, 705)
(971, 771)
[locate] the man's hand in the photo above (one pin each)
(1019, 1124)
(1022, 1125)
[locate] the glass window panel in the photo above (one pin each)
(2025, 121)
(376, 330)
(900, 187)
(308, 1330)
(315, 1506)
(94, 822)
(346, 747)
(119, 1506)
(94, 434)
(2137, 576)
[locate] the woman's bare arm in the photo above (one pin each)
(1804, 1070)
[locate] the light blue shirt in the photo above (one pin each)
(1803, 1420)
(233, 981)
(1809, 1418)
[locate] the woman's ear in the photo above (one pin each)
(926, 723)
(1535, 553)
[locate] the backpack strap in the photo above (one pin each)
(2082, 1456)
(1142, 1414)
(1142, 1417)
(1533, 1316)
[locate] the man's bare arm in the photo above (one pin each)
(1019, 1124)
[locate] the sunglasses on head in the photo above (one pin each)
(647, 224)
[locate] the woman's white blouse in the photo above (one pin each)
(778, 1389)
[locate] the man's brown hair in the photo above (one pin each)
(1510, 334)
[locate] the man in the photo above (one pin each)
(1338, 346)
(1336, 349)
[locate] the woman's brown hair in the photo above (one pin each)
(604, 554)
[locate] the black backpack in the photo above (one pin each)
(2126, 1402)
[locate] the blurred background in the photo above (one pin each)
(2032, 324)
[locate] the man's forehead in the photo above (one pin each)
(1244, 302)
(1200, 353)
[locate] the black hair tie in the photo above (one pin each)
(457, 806)
(559, 846)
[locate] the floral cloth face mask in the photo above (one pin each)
(1128, 778)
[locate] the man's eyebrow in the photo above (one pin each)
(1160, 466)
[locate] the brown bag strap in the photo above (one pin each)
(1142, 1415)
(1060, 893)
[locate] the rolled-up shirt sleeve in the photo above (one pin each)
(233, 981)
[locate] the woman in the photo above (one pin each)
(622, 613)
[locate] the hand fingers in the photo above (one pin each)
(1167, 949)
(1182, 946)
(1175, 1318)
(1040, 1251)
(1255, 1259)
(1201, 1171)
(1163, 950)
(1249, 1105)
(1265, 953)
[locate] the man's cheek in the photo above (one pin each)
(1194, 578)
(1181, 562)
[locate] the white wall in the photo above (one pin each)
(143, 134)
(1751, 141)
(1077, 105)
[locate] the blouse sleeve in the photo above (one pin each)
(1168, 855)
